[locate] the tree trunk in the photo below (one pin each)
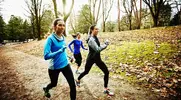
(119, 28)
(106, 8)
(156, 6)
(130, 23)
(129, 10)
(33, 28)
(104, 27)
(37, 19)
(155, 20)
(140, 17)
(55, 8)
(68, 14)
(103, 16)
(90, 7)
(97, 18)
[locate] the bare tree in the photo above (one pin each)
(106, 8)
(95, 6)
(32, 19)
(88, 16)
(64, 14)
(36, 11)
(55, 8)
(128, 6)
(72, 21)
(137, 13)
(155, 6)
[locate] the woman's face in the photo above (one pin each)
(78, 36)
(60, 27)
(95, 31)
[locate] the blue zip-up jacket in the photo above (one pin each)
(54, 50)
(77, 44)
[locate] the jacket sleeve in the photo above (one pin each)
(70, 45)
(47, 50)
(94, 45)
(83, 46)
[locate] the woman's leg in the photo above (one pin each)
(88, 66)
(103, 67)
(53, 74)
(67, 72)
(78, 61)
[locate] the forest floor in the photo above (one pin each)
(22, 77)
(24, 72)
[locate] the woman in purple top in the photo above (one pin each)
(77, 43)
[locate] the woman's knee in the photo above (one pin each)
(86, 72)
(79, 64)
(54, 84)
(106, 72)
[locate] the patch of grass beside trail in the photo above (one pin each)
(134, 53)
(138, 54)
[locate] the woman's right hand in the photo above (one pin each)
(107, 42)
(64, 47)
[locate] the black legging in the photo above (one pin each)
(101, 65)
(78, 59)
(67, 72)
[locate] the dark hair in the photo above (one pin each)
(75, 35)
(90, 31)
(55, 22)
(91, 28)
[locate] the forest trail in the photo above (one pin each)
(22, 77)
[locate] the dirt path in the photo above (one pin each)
(22, 77)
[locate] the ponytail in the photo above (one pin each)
(90, 32)
(75, 35)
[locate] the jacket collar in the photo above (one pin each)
(57, 37)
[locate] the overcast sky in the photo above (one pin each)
(12, 7)
(17, 8)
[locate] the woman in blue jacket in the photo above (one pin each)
(77, 43)
(55, 51)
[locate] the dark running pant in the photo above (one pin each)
(78, 59)
(101, 65)
(67, 72)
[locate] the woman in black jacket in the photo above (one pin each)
(94, 57)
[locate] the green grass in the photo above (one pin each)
(137, 54)
(134, 53)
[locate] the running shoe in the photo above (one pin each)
(77, 83)
(46, 92)
(108, 92)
